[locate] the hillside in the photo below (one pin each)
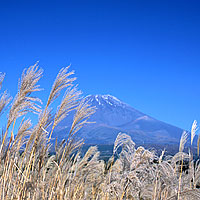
(113, 116)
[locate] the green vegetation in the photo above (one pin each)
(137, 173)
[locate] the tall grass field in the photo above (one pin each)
(29, 171)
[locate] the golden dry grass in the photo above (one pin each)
(27, 171)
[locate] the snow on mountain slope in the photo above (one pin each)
(113, 116)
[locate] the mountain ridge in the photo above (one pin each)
(113, 116)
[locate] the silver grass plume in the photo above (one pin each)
(192, 194)
(83, 112)
(193, 130)
(4, 101)
(81, 117)
(178, 158)
(2, 76)
(128, 149)
(39, 132)
(197, 173)
(125, 141)
(4, 97)
(90, 152)
(23, 102)
(183, 140)
(62, 81)
(69, 103)
(39, 137)
(24, 129)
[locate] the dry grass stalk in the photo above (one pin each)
(27, 171)
(23, 102)
(183, 140)
(2, 76)
(193, 130)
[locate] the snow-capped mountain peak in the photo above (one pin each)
(103, 100)
(113, 116)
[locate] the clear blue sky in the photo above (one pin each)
(146, 53)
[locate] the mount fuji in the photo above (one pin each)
(113, 116)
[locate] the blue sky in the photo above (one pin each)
(146, 53)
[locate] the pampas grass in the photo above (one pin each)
(28, 171)
(183, 140)
(193, 130)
